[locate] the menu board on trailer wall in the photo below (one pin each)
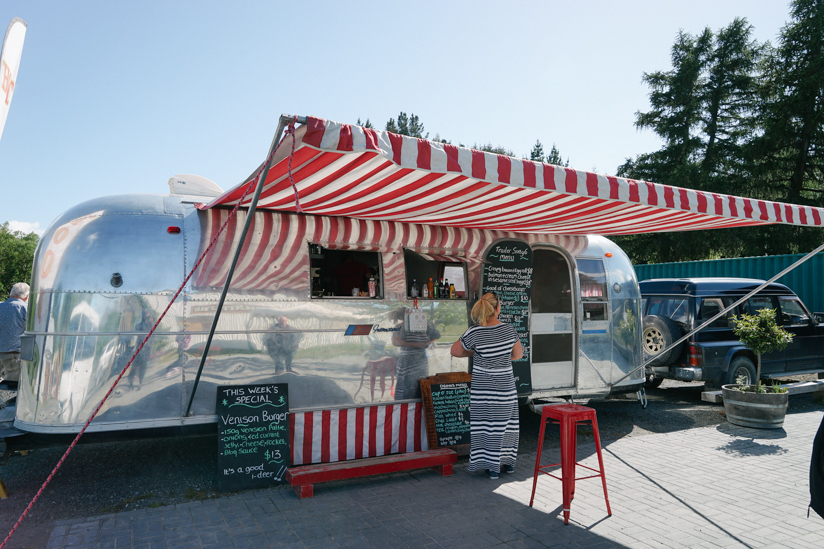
(252, 435)
(508, 273)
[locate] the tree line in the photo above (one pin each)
(737, 117)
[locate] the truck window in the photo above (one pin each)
(675, 308)
(793, 312)
(711, 306)
(441, 268)
(755, 304)
(344, 273)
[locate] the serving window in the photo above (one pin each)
(345, 273)
(443, 270)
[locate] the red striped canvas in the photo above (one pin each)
(347, 171)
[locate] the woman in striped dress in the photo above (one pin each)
(493, 401)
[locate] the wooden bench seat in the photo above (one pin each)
(302, 478)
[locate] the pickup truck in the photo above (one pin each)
(672, 307)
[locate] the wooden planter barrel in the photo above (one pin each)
(750, 409)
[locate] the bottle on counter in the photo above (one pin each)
(436, 291)
(372, 286)
(442, 289)
(431, 286)
(446, 289)
(413, 290)
(452, 294)
(425, 292)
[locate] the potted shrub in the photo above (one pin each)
(756, 405)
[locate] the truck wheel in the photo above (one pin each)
(741, 366)
(653, 381)
(659, 333)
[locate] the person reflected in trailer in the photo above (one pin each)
(282, 344)
(412, 363)
(138, 368)
(176, 367)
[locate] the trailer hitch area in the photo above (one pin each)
(642, 397)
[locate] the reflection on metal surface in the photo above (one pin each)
(270, 331)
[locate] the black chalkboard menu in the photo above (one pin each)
(446, 410)
(252, 435)
(508, 273)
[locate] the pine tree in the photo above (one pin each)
(537, 152)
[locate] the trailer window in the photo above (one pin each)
(593, 279)
(344, 273)
(420, 269)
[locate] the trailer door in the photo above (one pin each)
(551, 335)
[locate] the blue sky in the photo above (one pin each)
(117, 97)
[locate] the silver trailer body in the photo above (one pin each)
(107, 268)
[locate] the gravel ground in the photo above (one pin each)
(108, 477)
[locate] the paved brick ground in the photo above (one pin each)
(709, 487)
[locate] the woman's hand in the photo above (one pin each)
(458, 350)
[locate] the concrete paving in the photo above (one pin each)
(723, 486)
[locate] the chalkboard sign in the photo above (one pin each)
(446, 410)
(508, 273)
(252, 435)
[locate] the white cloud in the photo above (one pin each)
(26, 227)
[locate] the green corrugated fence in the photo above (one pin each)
(805, 280)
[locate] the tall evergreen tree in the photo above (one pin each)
(537, 152)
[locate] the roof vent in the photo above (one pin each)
(194, 185)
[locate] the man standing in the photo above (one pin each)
(12, 325)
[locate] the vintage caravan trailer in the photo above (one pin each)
(346, 221)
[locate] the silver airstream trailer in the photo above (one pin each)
(107, 268)
(322, 258)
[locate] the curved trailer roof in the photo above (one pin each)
(350, 171)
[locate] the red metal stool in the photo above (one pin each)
(568, 416)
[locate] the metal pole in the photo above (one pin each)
(284, 121)
(722, 313)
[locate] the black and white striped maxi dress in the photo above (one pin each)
(493, 402)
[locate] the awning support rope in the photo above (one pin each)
(256, 183)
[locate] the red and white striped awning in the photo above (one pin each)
(350, 171)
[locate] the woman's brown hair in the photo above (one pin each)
(485, 308)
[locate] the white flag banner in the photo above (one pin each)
(9, 63)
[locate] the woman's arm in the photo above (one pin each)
(517, 350)
(458, 350)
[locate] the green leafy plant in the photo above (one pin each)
(762, 334)
(777, 388)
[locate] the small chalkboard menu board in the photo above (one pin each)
(508, 273)
(252, 435)
(446, 410)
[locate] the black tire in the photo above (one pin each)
(658, 334)
(653, 381)
(741, 365)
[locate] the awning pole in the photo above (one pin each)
(284, 121)
(722, 313)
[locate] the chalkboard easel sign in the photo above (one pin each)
(508, 273)
(252, 435)
(446, 410)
